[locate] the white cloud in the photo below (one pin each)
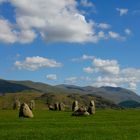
(129, 77)
(132, 72)
(26, 36)
(83, 58)
(115, 35)
(85, 78)
(104, 26)
(106, 66)
(106, 72)
(7, 35)
(105, 81)
(75, 79)
(88, 70)
(51, 77)
(114, 81)
(127, 31)
(36, 62)
(132, 86)
(53, 21)
(86, 3)
(101, 35)
(122, 11)
(71, 80)
(50, 19)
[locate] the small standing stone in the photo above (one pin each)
(56, 106)
(91, 108)
(32, 105)
(61, 106)
(75, 106)
(16, 105)
(25, 111)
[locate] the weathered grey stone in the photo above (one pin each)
(16, 105)
(61, 106)
(75, 106)
(51, 107)
(80, 112)
(25, 111)
(56, 106)
(91, 108)
(32, 105)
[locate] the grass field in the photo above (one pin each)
(49, 125)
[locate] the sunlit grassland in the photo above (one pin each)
(51, 125)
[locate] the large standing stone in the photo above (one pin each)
(56, 106)
(91, 108)
(61, 106)
(32, 105)
(75, 106)
(80, 112)
(16, 105)
(25, 111)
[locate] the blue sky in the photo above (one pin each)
(80, 42)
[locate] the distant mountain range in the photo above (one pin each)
(117, 95)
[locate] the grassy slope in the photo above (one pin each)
(47, 125)
(6, 102)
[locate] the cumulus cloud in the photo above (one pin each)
(55, 22)
(107, 72)
(118, 80)
(106, 66)
(122, 11)
(132, 72)
(104, 26)
(88, 69)
(37, 62)
(116, 36)
(113, 75)
(105, 81)
(26, 36)
(86, 3)
(7, 35)
(51, 77)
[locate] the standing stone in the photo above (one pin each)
(51, 107)
(80, 112)
(75, 106)
(16, 105)
(56, 106)
(61, 107)
(25, 111)
(32, 105)
(91, 108)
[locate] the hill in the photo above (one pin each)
(111, 95)
(130, 104)
(115, 94)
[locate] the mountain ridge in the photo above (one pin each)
(115, 94)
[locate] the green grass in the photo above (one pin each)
(49, 125)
